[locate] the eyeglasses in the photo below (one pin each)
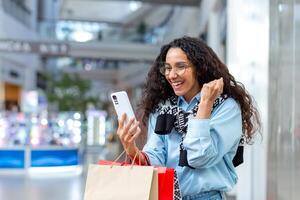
(165, 68)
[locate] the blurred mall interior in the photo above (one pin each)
(61, 59)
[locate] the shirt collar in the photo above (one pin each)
(181, 99)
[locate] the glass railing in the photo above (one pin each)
(88, 64)
(92, 31)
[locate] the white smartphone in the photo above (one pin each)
(122, 104)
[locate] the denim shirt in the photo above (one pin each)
(210, 143)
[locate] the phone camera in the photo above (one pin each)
(115, 99)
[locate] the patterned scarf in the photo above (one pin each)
(171, 116)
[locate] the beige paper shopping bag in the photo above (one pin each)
(105, 182)
(154, 186)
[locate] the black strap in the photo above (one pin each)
(239, 155)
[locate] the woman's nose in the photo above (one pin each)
(173, 74)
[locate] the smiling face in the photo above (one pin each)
(184, 84)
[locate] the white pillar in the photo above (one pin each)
(247, 59)
(213, 33)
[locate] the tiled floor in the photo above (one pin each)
(55, 187)
(46, 185)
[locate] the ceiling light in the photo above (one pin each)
(134, 5)
(81, 36)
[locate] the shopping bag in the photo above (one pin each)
(115, 182)
(168, 184)
(167, 181)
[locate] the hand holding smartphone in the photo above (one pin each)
(127, 136)
(122, 104)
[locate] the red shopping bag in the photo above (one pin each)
(166, 180)
(165, 183)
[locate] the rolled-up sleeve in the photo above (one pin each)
(208, 140)
(155, 147)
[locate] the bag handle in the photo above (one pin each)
(133, 161)
(118, 158)
(126, 156)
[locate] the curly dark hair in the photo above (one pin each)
(208, 68)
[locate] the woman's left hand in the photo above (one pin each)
(209, 93)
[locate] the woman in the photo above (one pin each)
(197, 115)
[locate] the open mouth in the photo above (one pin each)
(177, 85)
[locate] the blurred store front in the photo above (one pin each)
(12, 95)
